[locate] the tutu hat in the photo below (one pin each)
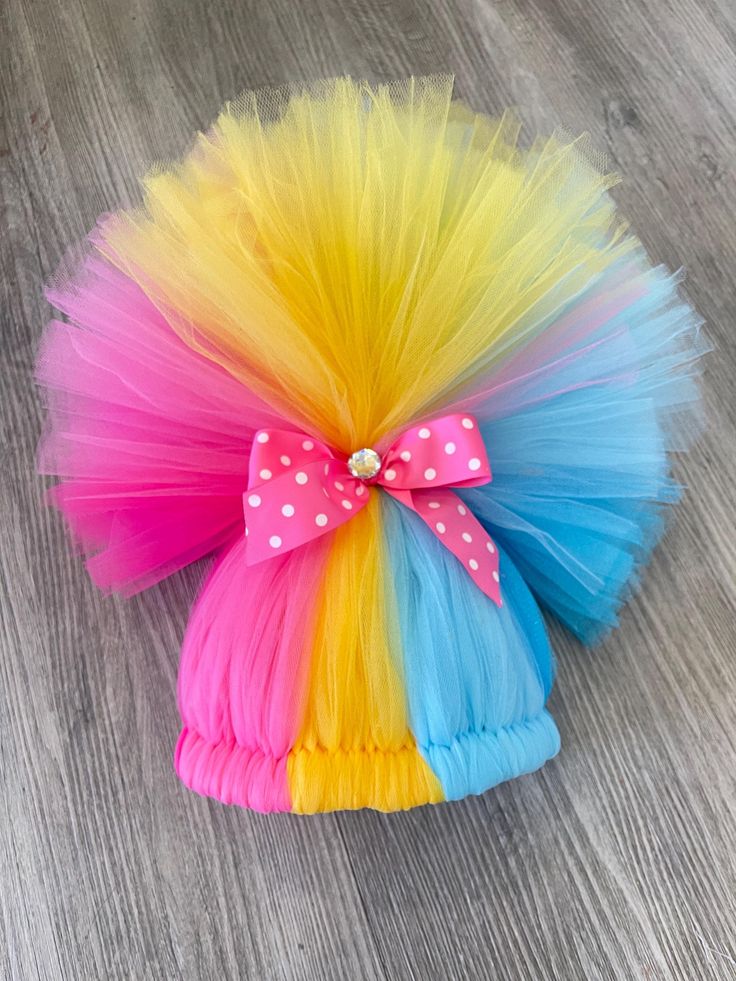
(409, 384)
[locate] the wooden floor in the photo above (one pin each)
(616, 860)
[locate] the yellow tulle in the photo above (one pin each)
(354, 253)
(355, 748)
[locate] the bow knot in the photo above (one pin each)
(298, 489)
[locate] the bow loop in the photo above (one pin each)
(277, 450)
(444, 452)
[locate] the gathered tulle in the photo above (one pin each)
(356, 747)
(243, 678)
(476, 675)
(346, 260)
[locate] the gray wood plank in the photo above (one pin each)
(616, 860)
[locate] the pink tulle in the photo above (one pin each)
(243, 674)
(151, 440)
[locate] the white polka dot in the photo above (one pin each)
(389, 474)
(430, 473)
(440, 528)
(254, 500)
(307, 444)
(405, 456)
(321, 520)
(461, 509)
(301, 477)
(467, 537)
(495, 575)
(434, 504)
(274, 541)
(468, 423)
(339, 486)
(474, 463)
(348, 505)
(424, 433)
(491, 547)
(263, 437)
(359, 490)
(265, 475)
(473, 565)
(327, 469)
(287, 510)
(286, 460)
(450, 448)
(246, 531)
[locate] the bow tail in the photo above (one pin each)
(454, 524)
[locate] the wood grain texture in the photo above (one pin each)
(616, 860)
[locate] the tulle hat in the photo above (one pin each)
(409, 385)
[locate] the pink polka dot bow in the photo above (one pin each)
(299, 489)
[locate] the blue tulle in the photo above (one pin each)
(579, 427)
(579, 452)
(477, 676)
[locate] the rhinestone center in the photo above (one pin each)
(364, 464)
